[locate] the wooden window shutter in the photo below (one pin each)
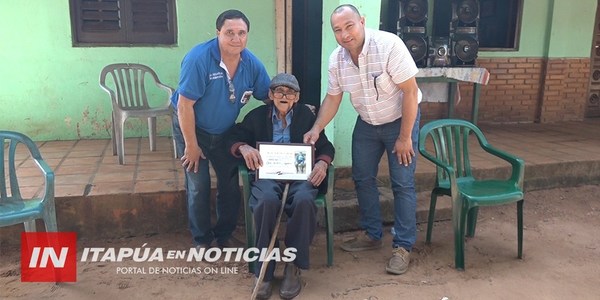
(151, 21)
(98, 21)
(123, 22)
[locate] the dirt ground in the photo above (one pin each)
(561, 261)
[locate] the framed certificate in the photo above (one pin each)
(285, 161)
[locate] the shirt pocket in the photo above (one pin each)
(385, 84)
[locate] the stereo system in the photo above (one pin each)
(412, 29)
(460, 48)
(439, 51)
(463, 32)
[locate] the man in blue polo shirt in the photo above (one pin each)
(217, 79)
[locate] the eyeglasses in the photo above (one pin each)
(280, 95)
(231, 91)
(375, 84)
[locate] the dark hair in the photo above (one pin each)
(340, 8)
(232, 14)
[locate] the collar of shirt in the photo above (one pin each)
(281, 134)
(216, 52)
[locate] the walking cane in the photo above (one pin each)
(263, 267)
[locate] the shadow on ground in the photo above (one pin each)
(561, 250)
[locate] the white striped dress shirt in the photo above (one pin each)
(383, 63)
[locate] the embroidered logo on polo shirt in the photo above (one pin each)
(216, 75)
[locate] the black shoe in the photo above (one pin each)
(291, 284)
(264, 290)
(231, 242)
(204, 246)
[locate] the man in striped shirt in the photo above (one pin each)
(378, 72)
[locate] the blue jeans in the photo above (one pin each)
(368, 144)
(197, 188)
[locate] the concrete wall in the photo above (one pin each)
(50, 88)
(553, 28)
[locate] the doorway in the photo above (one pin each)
(307, 24)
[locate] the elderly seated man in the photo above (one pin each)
(282, 121)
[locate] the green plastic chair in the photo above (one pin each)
(13, 208)
(322, 200)
(455, 179)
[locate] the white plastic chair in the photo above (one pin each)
(129, 99)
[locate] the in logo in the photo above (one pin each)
(48, 256)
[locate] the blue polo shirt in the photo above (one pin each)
(204, 80)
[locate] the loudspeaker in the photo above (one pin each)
(439, 51)
(417, 46)
(412, 29)
(413, 12)
(463, 32)
(466, 12)
(464, 50)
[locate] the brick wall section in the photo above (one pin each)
(514, 92)
(565, 92)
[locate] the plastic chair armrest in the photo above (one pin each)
(518, 165)
(330, 183)
(167, 89)
(448, 168)
(48, 176)
(243, 174)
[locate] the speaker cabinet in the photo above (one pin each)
(439, 51)
(412, 29)
(464, 50)
(464, 44)
(414, 12)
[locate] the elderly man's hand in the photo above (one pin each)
(251, 156)
(318, 173)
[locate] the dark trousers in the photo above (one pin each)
(301, 211)
(197, 187)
